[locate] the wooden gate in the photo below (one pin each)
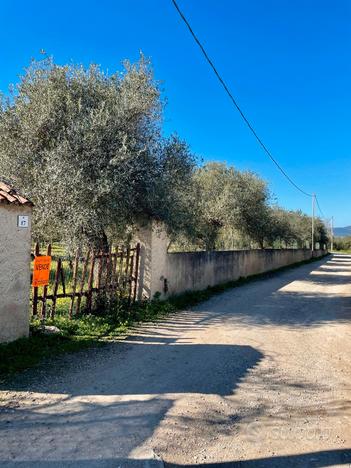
(73, 281)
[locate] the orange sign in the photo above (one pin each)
(41, 271)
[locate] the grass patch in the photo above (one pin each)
(94, 330)
(78, 333)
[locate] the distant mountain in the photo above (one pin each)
(342, 231)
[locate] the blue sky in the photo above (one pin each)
(287, 63)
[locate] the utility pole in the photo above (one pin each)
(313, 208)
(332, 233)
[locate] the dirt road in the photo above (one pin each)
(258, 376)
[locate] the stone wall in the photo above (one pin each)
(175, 273)
(15, 245)
(198, 270)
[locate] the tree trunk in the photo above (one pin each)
(99, 242)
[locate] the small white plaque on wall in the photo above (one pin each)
(23, 221)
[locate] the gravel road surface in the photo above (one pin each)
(258, 376)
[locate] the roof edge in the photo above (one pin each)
(10, 196)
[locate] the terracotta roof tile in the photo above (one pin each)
(10, 196)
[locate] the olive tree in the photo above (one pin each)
(321, 233)
(228, 198)
(86, 147)
(252, 216)
(229, 203)
(214, 201)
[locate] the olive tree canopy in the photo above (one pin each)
(229, 201)
(229, 198)
(86, 147)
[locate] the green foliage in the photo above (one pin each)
(228, 198)
(342, 244)
(77, 333)
(293, 229)
(86, 148)
(232, 209)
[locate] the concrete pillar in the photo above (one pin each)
(153, 260)
(15, 250)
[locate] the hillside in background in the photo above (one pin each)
(342, 231)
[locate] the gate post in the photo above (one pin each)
(153, 260)
(15, 250)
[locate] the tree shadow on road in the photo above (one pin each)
(160, 368)
(111, 406)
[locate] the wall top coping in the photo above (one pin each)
(215, 252)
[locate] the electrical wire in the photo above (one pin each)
(221, 80)
(320, 209)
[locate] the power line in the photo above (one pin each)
(235, 102)
(320, 209)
